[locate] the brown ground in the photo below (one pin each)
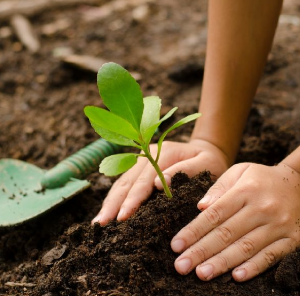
(42, 122)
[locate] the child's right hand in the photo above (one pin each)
(136, 185)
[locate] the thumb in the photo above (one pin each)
(222, 185)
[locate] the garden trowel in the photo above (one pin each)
(27, 191)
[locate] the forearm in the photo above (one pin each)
(240, 35)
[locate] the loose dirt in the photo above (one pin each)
(42, 122)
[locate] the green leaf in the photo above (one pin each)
(169, 114)
(114, 137)
(151, 112)
(148, 134)
(150, 118)
(121, 93)
(117, 164)
(175, 125)
(111, 122)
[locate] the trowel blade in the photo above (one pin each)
(20, 199)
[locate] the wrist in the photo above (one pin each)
(228, 147)
(209, 146)
(293, 160)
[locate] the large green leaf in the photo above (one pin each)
(117, 164)
(114, 137)
(111, 122)
(175, 125)
(121, 93)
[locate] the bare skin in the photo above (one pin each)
(246, 225)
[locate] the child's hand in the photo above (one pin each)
(136, 185)
(250, 221)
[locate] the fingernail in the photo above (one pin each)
(184, 265)
(121, 215)
(205, 199)
(97, 219)
(240, 274)
(207, 271)
(178, 245)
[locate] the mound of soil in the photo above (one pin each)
(134, 257)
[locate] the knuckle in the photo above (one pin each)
(270, 257)
(199, 253)
(269, 207)
(224, 234)
(285, 219)
(143, 181)
(218, 186)
(223, 262)
(246, 246)
(123, 183)
(193, 233)
(250, 185)
(213, 215)
(255, 268)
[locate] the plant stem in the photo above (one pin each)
(159, 173)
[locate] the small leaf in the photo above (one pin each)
(148, 134)
(114, 137)
(111, 122)
(177, 124)
(169, 114)
(150, 118)
(121, 93)
(151, 112)
(117, 164)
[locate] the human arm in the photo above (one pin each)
(240, 35)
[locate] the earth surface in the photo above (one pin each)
(42, 96)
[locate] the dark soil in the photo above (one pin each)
(42, 122)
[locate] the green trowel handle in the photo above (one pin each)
(80, 164)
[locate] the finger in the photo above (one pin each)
(117, 194)
(237, 253)
(139, 192)
(216, 240)
(209, 219)
(264, 259)
(222, 185)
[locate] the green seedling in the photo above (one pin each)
(130, 120)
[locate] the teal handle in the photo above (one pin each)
(80, 164)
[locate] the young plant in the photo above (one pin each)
(130, 121)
